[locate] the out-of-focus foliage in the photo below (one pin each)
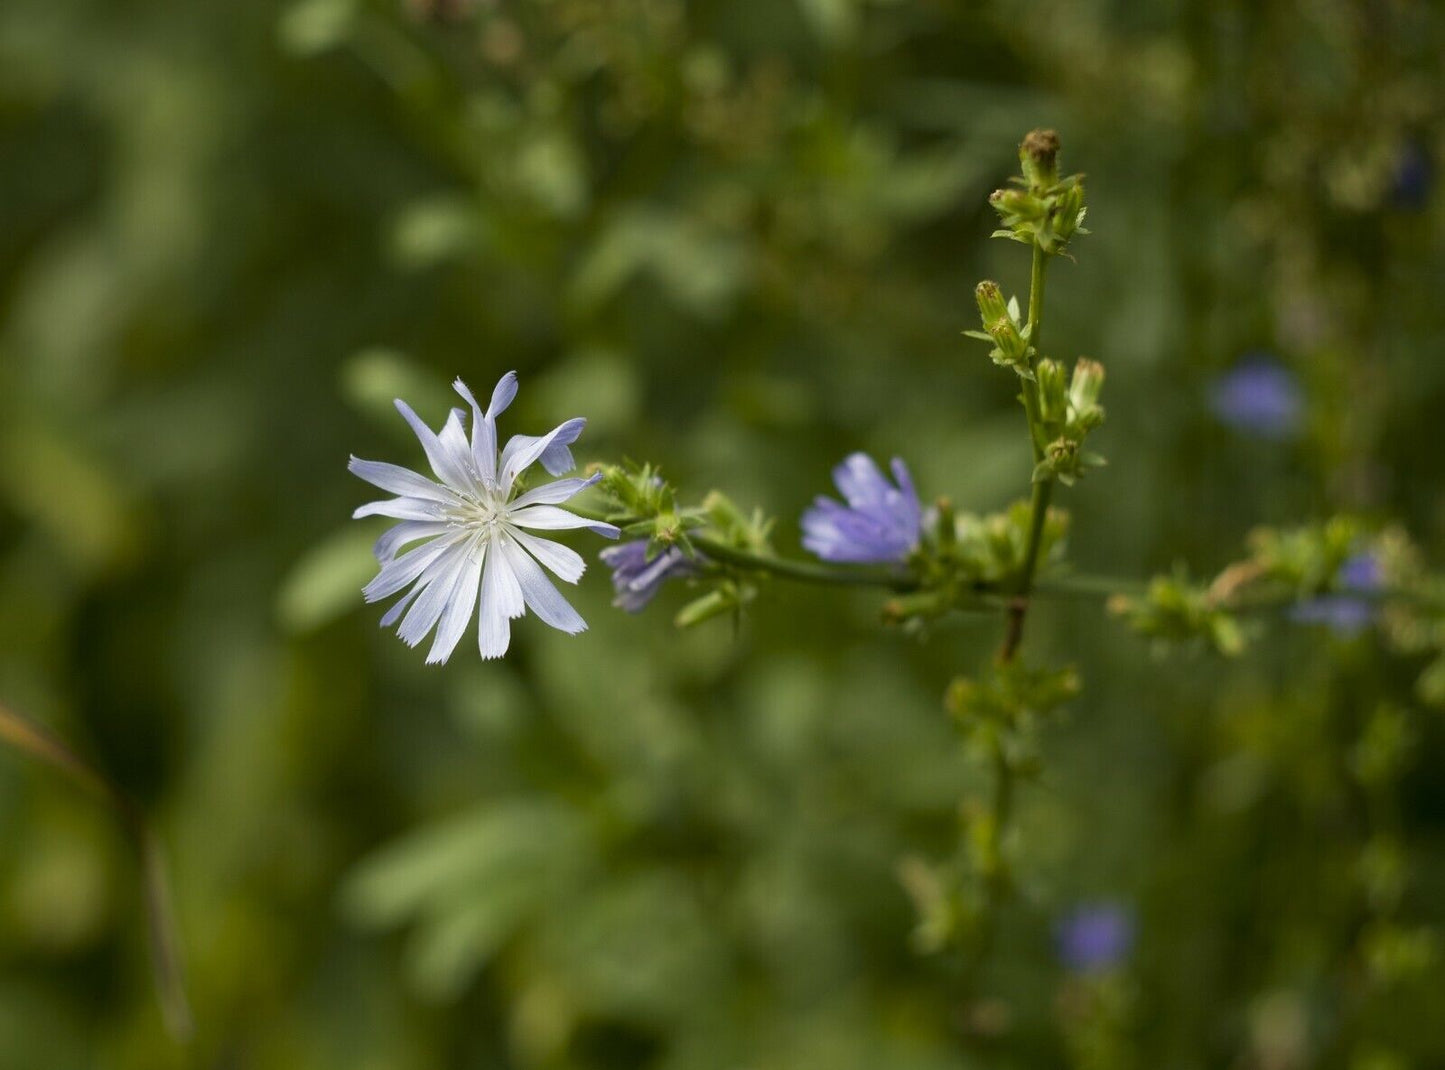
(742, 239)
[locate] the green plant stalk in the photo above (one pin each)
(1042, 490)
(997, 881)
(804, 571)
(1080, 586)
(165, 950)
(1003, 793)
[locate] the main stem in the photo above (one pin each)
(1042, 490)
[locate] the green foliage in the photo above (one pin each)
(1178, 610)
(738, 238)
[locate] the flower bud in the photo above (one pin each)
(999, 322)
(1069, 210)
(1063, 455)
(1053, 400)
(1016, 204)
(1039, 155)
(1088, 380)
(991, 305)
(712, 604)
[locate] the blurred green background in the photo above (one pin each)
(741, 238)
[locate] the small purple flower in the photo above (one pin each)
(1414, 176)
(1094, 937)
(636, 579)
(1259, 396)
(1340, 612)
(880, 523)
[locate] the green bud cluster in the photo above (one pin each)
(1068, 411)
(1000, 715)
(1176, 609)
(1304, 558)
(1002, 327)
(965, 555)
(639, 491)
(1043, 209)
(644, 506)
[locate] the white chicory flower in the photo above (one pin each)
(475, 542)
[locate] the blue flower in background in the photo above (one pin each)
(1094, 937)
(636, 579)
(1259, 396)
(1343, 614)
(880, 523)
(476, 548)
(1413, 178)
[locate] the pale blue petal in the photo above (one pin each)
(395, 575)
(565, 562)
(398, 535)
(453, 623)
(860, 481)
(432, 602)
(402, 509)
(522, 450)
(494, 630)
(438, 456)
(399, 480)
(554, 493)
(393, 614)
(880, 523)
(543, 598)
(551, 518)
(461, 469)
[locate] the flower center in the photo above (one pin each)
(483, 514)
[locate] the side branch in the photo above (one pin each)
(804, 571)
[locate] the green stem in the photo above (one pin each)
(1035, 328)
(29, 738)
(804, 571)
(1042, 490)
(1003, 794)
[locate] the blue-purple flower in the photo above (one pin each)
(1094, 937)
(1259, 396)
(476, 548)
(1414, 176)
(636, 579)
(1342, 612)
(881, 522)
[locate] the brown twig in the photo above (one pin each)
(30, 738)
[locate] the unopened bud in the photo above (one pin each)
(1052, 396)
(1069, 211)
(999, 322)
(1039, 155)
(1063, 453)
(1016, 203)
(713, 604)
(991, 305)
(1088, 380)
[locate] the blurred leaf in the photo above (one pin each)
(701, 271)
(375, 378)
(57, 485)
(498, 857)
(327, 581)
(435, 229)
(311, 26)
